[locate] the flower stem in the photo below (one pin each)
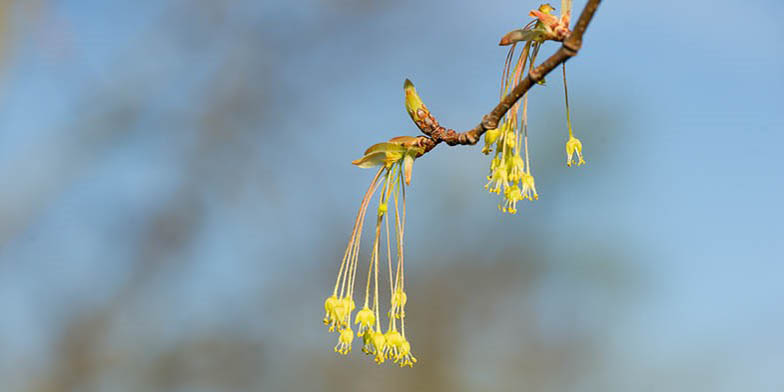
(566, 97)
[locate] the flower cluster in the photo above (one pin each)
(395, 158)
(510, 168)
(510, 174)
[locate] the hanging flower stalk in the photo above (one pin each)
(505, 132)
(395, 160)
(574, 148)
(510, 168)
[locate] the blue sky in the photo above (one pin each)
(678, 105)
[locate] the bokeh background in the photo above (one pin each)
(176, 193)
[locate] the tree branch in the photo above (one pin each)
(571, 45)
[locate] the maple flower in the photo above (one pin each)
(330, 318)
(365, 318)
(529, 189)
(510, 167)
(344, 341)
(405, 357)
(394, 159)
(398, 303)
(573, 145)
(393, 342)
(512, 196)
(497, 179)
(374, 343)
(491, 136)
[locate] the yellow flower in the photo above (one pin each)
(398, 302)
(512, 195)
(337, 311)
(329, 307)
(574, 146)
(395, 159)
(365, 318)
(393, 343)
(344, 307)
(516, 168)
(367, 342)
(497, 180)
(374, 345)
(510, 167)
(344, 341)
(405, 358)
(342, 312)
(510, 139)
(491, 136)
(397, 347)
(529, 189)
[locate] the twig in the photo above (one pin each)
(571, 45)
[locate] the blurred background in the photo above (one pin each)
(176, 193)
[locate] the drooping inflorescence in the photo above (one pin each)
(510, 167)
(395, 158)
(510, 176)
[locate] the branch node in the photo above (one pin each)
(489, 122)
(467, 138)
(435, 133)
(535, 75)
(571, 48)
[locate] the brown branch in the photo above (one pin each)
(571, 45)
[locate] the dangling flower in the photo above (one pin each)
(516, 168)
(529, 189)
(398, 303)
(343, 311)
(395, 159)
(490, 138)
(405, 358)
(393, 341)
(510, 167)
(330, 318)
(337, 311)
(573, 144)
(496, 180)
(510, 174)
(344, 341)
(512, 196)
(374, 345)
(365, 318)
